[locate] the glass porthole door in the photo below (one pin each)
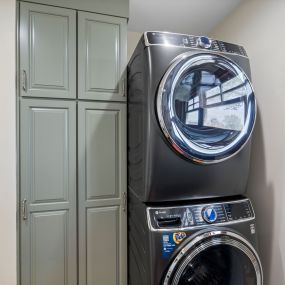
(216, 258)
(206, 107)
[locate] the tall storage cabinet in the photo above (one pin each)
(48, 188)
(102, 195)
(72, 145)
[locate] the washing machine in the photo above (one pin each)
(212, 243)
(191, 113)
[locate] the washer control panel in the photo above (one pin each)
(182, 40)
(184, 217)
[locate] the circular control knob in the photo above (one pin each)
(204, 42)
(210, 215)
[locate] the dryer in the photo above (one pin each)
(213, 243)
(191, 113)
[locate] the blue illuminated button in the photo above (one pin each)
(204, 42)
(210, 215)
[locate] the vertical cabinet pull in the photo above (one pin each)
(24, 80)
(24, 209)
(125, 201)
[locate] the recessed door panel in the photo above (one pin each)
(47, 51)
(46, 130)
(101, 57)
(103, 255)
(49, 245)
(102, 153)
(49, 154)
(104, 54)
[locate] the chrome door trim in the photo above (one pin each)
(159, 109)
(235, 240)
(200, 226)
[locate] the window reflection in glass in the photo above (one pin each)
(211, 96)
(192, 118)
(228, 116)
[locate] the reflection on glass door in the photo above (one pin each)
(206, 107)
(210, 102)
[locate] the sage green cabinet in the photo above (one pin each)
(102, 193)
(47, 51)
(48, 192)
(102, 57)
(72, 232)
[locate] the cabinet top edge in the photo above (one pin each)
(118, 8)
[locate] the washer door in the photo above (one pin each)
(216, 258)
(206, 107)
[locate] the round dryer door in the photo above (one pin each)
(216, 258)
(206, 107)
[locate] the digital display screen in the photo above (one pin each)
(232, 48)
(238, 211)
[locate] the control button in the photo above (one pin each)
(204, 42)
(210, 215)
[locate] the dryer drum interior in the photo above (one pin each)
(206, 107)
(215, 258)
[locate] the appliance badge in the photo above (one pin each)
(252, 229)
(179, 237)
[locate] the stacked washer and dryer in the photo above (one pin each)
(191, 113)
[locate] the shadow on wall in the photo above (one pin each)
(261, 191)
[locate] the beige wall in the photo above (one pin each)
(259, 26)
(133, 38)
(7, 144)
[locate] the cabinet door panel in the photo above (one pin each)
(101, 193)
(49, 238)
(49, 154)
(101, 57)
(102, 153)
(103, 227)
(48, 185)
(47, 51)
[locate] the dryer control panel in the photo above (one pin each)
(199, 215)
(188, 41)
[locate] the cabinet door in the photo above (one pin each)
(47, 51)
(102, 193)
(48, 192)
(102, 57)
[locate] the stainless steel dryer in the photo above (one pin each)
(212, 243)
(191, 113)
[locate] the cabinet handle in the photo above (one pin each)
(24, 80)
(125, 201)
(24, 209)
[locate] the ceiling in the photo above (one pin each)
(197, 17)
